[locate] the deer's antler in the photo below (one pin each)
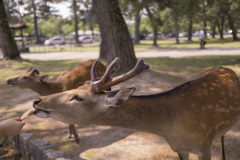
(99, 84)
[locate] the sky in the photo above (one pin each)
(63, 9)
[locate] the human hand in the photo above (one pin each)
(11, 127)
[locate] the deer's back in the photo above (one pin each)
(79, 75)
(205, 108)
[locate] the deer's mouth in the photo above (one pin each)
(41, 113)
(11, 83)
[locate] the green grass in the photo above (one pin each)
(184, 44)
(90, 154)
(189, 65)
(169, 43)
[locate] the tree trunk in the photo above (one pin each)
(204, 16)
(137, 24)
(231, 24)
(75, 21)
(7, 42)
(116, 40)
(214, 30)
(190, 29)
(220, 26)
(176, 27)
(155, 37)
(154, 26)
(35, 23)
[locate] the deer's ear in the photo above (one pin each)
(43, 78)
(116, 98)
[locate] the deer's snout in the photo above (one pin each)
(37, 101)
(9, 81)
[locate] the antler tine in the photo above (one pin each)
(110, 70)
(139, 67)
(93, 71)
(102, 84)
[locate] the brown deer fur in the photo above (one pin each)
(66, 81)
(189, 116)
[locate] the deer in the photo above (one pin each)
(66, 81)
(189, 116)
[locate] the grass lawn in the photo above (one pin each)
(188, 65)
(169, 43)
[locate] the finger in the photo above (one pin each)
(17, 119)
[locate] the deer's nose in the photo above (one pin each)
(9, 81)
(37, 101)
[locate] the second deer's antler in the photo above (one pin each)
(99, 84)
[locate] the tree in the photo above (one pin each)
(40, 10)
(7, 42)
(155, 20)
(116, 40)
(133, 10)
(75, 21)
(11, 11)
(190, 10)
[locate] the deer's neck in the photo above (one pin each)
(47, 88)
(142, 113)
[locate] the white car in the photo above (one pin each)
(85, 39)
(54, 41)
(159, 35)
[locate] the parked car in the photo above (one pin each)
(141, 37)
(151, 35)
(171, 35)
(196, 34)
(183, 34)
(54, 41)
(85, 39)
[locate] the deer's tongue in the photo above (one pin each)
(40, 113)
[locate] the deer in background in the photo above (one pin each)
(66, 81)
(189, 116)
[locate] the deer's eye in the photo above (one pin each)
(77, 98)
(25, 77)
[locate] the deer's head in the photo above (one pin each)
(28, 79)
(86, 104)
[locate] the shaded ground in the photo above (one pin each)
(106, 142)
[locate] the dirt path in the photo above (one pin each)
(106, 142)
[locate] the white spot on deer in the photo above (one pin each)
(231, 107)
(222, 93)
(204, 84)
(205, 92)
(220, 124)
(192, 105)
(209, 106)
(203, 125)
